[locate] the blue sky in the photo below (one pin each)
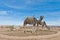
(13, 12)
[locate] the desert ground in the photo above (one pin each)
(18, 33)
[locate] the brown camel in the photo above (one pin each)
(34, 21)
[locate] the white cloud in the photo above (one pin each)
(15, 7)
(24, 5)
(53, 13)
(11, 6)
(3, 12)
(11, 3)
(56, 23)
(9, 22)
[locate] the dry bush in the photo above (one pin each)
(11, 28)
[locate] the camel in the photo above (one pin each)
(34, 21)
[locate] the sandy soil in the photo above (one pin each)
(43, 37)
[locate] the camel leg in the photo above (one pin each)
(24, 24)
(47, 27)
(37, 24)
(34, 24)
(42, 26)
(24, 28)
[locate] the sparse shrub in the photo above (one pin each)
(2, 27)
(11, 28)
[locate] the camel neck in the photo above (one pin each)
(40, 20)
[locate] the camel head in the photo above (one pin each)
(41, 17)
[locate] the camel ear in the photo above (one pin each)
(41, 16)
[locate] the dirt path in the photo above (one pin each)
(29, 37)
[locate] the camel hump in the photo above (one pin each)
(31, 18)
